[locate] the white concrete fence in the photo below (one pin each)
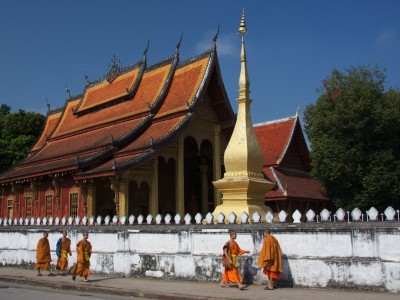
(345, 250)
(340, 215)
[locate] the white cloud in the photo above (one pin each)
(386, 37)
(226, 44)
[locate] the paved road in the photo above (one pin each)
(14, 291)
(147, 288)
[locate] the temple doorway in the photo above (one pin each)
(166, 186)
(138, 203)
(105, 205)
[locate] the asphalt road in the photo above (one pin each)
(12, 291)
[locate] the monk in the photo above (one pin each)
(83, 251)
(231, 251)
(63, 248)
(270, 259)
(43, 257)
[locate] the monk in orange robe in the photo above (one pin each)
(84, 251)
(43, 257)
(231, 251)
(270, 259)
(62, 251)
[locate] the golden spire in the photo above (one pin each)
(243, 187)
(244, 83)
(242, 27)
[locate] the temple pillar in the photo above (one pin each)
(115, 188)
(57, 193)
(16, 190)
(35, 196)
(123, 197)
(153, 205)
(91, 204)
(217, 162)
(180, 180)
(83, 189)
(204, 189)
(120, 188)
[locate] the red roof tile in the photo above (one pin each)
(298, 185)
(274, 138)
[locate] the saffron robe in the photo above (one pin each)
(43, 257)
(62, 262)
(270, 258)
(84, 251)
(232, 274)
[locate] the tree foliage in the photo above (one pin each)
(354, 129)
(18, 131)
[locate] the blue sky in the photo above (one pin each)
(291, 45)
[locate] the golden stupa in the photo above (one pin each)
(244, 186)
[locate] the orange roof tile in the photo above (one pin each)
(185, 84)
(105, 91)
(156, 131)
(274, 138)
(149, 88)
(83, 142)
(51, 122)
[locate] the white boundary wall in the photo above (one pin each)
(346, 255)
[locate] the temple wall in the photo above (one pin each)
(360, 255)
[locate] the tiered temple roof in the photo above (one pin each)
(125, 118)
(287, 161)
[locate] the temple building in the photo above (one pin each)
(149, 140)
(287, 163)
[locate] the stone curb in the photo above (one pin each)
(88, 287)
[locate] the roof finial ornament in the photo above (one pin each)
(215, 38)
(243, 27)
(48, 105)
(68, 92)
(147, 48)
(86, 78)
(179, 43)
(297, 111)
(114, 69)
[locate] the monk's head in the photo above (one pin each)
(64, 233)
(266, 232)
(232, 234)
(45, 234)
(85, 235)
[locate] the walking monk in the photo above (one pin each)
(63, 248)
(84, 251)
(270, 259)
(43, 257)
(231, 251)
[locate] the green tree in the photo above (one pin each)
(354, 129)
(18, 131)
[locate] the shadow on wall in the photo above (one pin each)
(253, 274)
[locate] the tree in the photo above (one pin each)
(18, 131)
(354, 129)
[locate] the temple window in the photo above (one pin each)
(49, 206)
(28, 207)
(73, 205)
